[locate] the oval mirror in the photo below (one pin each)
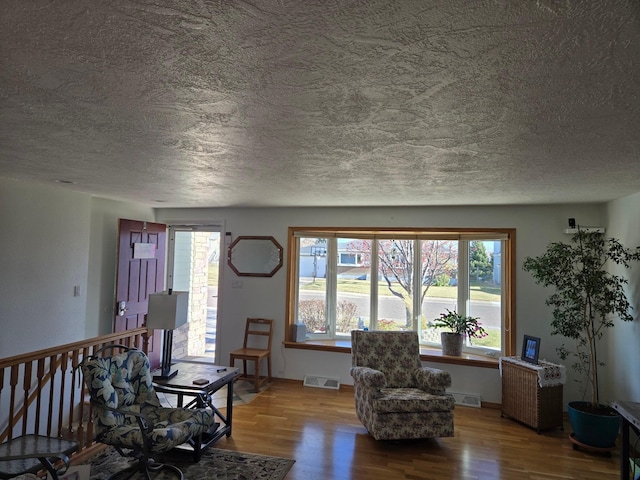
(255, 256)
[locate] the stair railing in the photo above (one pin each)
(43, 392)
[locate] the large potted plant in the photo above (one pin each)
(588, 298)
(458, 326)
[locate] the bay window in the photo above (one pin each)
(342, 279)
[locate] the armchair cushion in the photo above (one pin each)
(168, 427)
(400, 400)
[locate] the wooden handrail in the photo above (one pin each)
(46, 352)
(42, 392)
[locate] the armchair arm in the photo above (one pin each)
(368, 377)
(144, 422)
(432, 380)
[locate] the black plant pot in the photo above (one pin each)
(594, 429)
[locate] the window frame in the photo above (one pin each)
(508, 266)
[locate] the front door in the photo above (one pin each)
(141, 270)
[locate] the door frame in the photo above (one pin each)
(193, 227)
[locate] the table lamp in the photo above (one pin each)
(167, 311)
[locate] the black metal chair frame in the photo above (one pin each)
(144, 461)
(54, 462)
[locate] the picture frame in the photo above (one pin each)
(530, 349)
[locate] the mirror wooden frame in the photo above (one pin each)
(246, 261)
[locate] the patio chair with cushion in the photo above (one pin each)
(128, 414)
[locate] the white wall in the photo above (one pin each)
(536, 227)
(619, 379)
(44, 246)
(51, 240)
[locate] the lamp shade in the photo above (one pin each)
(167, 310)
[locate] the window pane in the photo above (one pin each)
(395, 284)
(485, 290)
(439, 270)
(353, 285)
(312, 284)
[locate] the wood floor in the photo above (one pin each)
(318, 428)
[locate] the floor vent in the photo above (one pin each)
(321, 382)
(466, 399)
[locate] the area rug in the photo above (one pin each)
(214, 464)
(243, 393)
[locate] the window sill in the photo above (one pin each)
(426, 354)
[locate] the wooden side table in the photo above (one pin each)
(532, 394)
(32, 453)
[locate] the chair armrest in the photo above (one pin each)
(432, 380)
(368, 377)
(144, 422)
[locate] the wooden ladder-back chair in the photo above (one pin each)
(256, 346)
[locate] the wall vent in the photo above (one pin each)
(466, 399)
(318, 381)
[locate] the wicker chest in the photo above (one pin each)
(523, 397)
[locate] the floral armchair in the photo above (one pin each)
(128, 414)
(396, 397)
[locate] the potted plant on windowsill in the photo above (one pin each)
(459, 326)
(587, 300)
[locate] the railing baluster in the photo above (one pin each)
(40, 376)
(26, 385)
(63, 383)
(90, 425)
(72, 401)
(1, 384)
(13, 381)
(53, 360)
(81, 404)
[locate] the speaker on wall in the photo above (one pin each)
(299, 332)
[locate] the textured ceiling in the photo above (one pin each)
(323, 102)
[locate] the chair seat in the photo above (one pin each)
(249, 352)
(397, 400)
(172, 427)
